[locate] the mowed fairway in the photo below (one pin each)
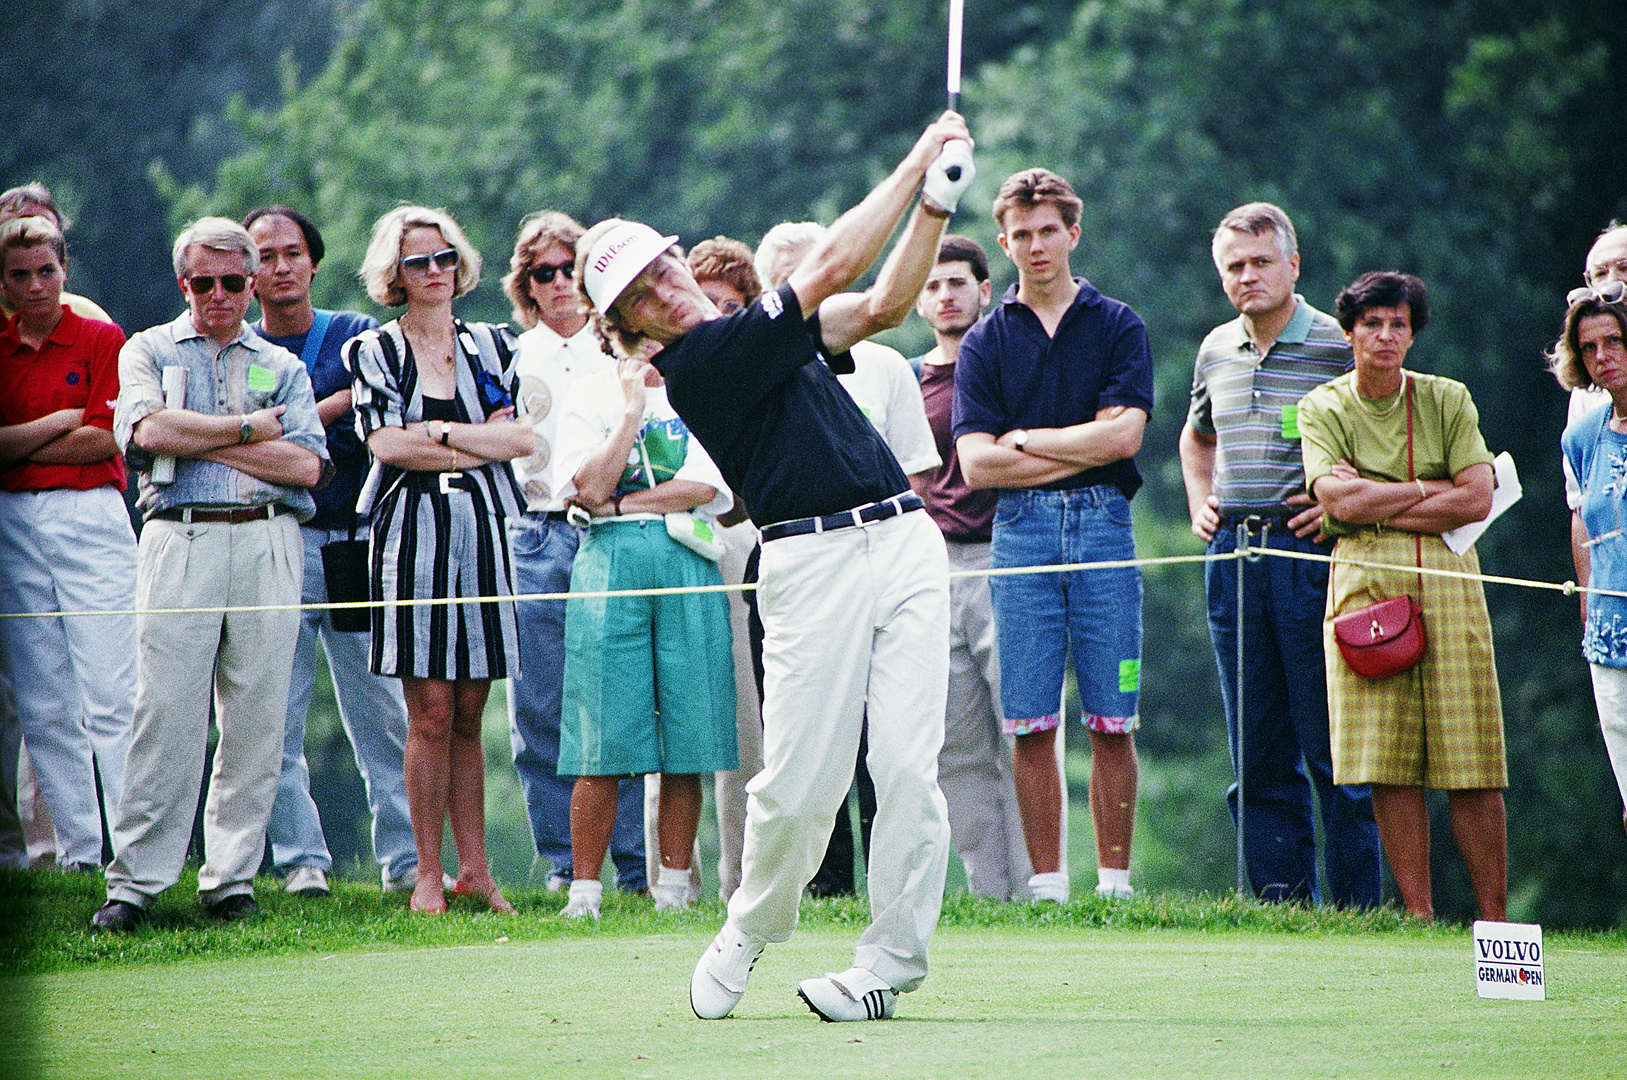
(1023, 1002)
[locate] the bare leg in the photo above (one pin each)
(1114, 774)
(1480, 827)
(466, 801)
(426, 765)
(1403, 830)
(593, 817)
(1039, 798)
(678, 818)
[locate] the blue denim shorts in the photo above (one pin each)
(1093, 614)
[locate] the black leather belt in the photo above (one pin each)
(197, 515)
(443, 482)
(847, 519)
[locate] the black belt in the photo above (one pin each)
(1233, 521)
(198, 515)
(443, 482)
(847, 519)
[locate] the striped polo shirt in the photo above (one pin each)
(1250, 404)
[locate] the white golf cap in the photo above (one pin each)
(618, 257)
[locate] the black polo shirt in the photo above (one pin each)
(785, 434)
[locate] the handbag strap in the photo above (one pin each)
(1412, 477)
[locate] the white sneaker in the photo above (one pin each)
(403, 884)
(671, 890)
(558, 883)
(584, 900)
(1115, 892)
(1053, 887)
(854, 994)
(720, 976)
(307, 881)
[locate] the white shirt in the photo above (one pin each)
(888, 393)
(548, 364)
(593, 408)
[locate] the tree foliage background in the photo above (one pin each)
(1476, 143)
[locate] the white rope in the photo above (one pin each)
(1568, 588)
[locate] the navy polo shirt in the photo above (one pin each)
(752, 387)
(1011, 374)
(336, 502)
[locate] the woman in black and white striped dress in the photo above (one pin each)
(434, 398)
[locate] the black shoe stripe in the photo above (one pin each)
(875, 1004)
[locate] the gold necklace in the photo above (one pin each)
(1376, 412)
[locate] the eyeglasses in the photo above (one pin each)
(1608, 293)
(418, 265)
(204, 284)
(543, 273)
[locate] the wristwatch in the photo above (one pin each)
(245, 431)
(1019, 441)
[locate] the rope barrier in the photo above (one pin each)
(1243, 551)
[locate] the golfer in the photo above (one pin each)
(854, 589)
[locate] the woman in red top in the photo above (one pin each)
(65, 541)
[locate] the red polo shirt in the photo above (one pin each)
(77, 367)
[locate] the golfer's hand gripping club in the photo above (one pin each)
(948, 177)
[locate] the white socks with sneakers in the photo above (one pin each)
(584, 900)
(671, 891)
(1113, 883)
(1053, 886)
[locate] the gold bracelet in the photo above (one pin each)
(452, 463)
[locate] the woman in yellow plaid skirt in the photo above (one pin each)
(1440, 724)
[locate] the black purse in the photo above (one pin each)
(344, 570)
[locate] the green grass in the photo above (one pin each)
(1172, 985)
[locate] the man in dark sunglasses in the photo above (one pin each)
(222, 428)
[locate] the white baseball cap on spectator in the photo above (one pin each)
(618, 257)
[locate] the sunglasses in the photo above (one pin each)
(543, 273)
(1608, 293)
(418, 265)
(204, 284)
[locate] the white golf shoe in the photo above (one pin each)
(854, 994)
(720, 976)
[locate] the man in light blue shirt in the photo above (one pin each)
(223, 430)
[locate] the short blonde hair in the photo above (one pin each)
(33, 231)
(1565, 357)
(380, 272)
(538, 231)
(216, 234)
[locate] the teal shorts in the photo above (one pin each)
(649, 680)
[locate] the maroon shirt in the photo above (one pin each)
(962, 514)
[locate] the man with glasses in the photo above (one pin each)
(223, 430)
(370, 707)
(557, 347)
(1240, 459)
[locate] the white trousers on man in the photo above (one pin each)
(74, 678)
(244, 659)
(855, 620)
(974, 767)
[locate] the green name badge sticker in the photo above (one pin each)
(261, 379)
(1129, 676)
(1290, 421)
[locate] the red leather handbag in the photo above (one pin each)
(1386, 638)
(1382, 639)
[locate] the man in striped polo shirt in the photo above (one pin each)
(1241, 463)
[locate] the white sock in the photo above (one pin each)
(1110, 882)
(1052, 886)
(588, 894)
(671, 888)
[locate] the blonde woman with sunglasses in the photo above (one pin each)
(434, 397)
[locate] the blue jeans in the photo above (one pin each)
(543, 551)
(1285, 732)
(375, 720)
(1095, 614)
